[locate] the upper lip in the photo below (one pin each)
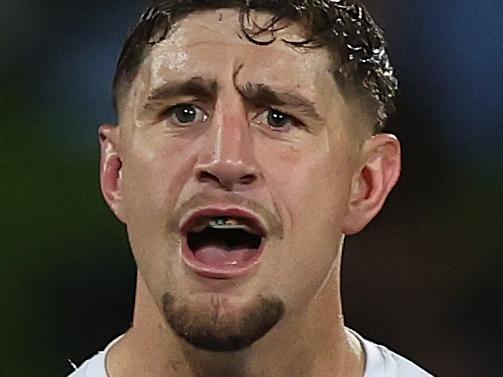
(252, 219)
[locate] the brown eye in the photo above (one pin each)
(185, 114)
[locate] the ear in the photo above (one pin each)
(111, 168)
(370, 186)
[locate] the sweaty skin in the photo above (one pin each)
(320, 177)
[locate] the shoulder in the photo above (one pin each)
(95, 366)
(381, 362)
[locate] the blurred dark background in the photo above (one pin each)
(425, 278)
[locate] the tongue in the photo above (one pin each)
(219, 257)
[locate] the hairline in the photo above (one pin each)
(354, 94)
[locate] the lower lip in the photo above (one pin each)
(221, 272)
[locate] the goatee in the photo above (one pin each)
(213, 327)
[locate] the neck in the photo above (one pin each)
(313, 343)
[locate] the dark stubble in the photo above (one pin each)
(211, 328)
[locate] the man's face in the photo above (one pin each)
(218, 123)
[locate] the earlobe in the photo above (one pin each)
(111, 168)
(378, 174)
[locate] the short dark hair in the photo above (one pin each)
(345, 27)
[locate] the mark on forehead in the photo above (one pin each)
(263, 94)
(236, 73)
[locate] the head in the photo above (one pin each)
(361, 65)
(269, 108)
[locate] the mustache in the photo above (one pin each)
(231, 199)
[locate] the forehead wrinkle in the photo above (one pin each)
(180, 44)
(276, 94)
(238, 69)
(265, 94)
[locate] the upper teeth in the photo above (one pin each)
(226, 223)
(222, 223)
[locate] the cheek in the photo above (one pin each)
(154, 173)
(310, 190)
(304, 180)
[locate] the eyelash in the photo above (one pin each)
(171, 112)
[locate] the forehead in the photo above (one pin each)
(211, 45)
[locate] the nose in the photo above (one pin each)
(227, 158)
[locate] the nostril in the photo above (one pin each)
(204, 176)
(247, 179)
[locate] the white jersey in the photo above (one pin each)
(379, 362)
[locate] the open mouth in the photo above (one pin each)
(223, 246)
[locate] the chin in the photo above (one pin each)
(216, 323)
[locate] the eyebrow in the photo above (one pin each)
(195, 86)
(263, 94)
(260, 94)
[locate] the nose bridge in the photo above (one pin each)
(232, 141)
(228, 156)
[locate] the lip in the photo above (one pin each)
(222, 272)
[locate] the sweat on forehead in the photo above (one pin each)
(201, 60)
(344, 27)
(199, 45)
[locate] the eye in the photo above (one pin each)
(185, 114)
(277, 120)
